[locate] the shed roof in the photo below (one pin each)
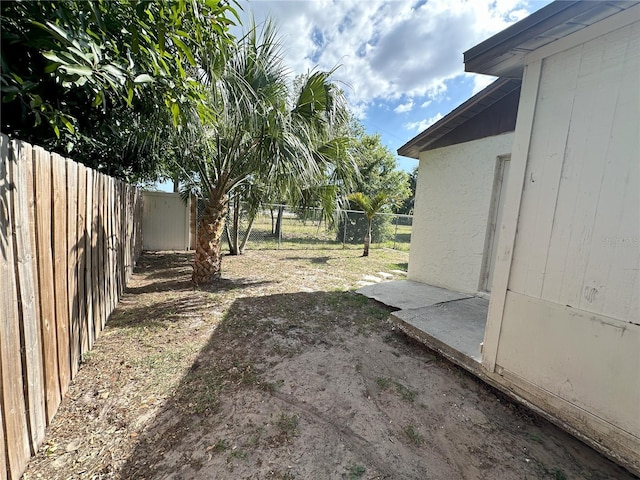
(465, 112)
(503, 54)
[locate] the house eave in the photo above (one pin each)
(457, 117)
(503, 55)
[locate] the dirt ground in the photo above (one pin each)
(281, 371)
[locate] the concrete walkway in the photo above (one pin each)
(449, 322)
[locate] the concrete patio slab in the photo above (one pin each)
(449, 322)
(455, 328)
(407, 294)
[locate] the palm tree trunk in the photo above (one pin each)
(246, 235)
(235, 239)
(278, 229)
(367, 240)
(273, 223)
(227, 233)
(320, 221)
(208, 258)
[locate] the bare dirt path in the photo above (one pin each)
(282, 372)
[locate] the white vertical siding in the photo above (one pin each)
(578, 240)
(569, 326)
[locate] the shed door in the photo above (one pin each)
(495, 220)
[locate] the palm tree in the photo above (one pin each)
(370, 206)
(263, 136)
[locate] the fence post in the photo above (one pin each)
(395, 235)
(344, 230)
(280, 209)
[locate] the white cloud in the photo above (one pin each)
(426, 104)
(423, 124)
(481, 81)
(404, 107)
(387, 50)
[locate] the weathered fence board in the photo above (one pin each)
(29, 320)
(4, 468)
(102, 254)
(95, 256)
(111, 277)
(68, 241)
(72, 264)
(31, 189)
(83, 340)
(122, 272)
(88, 285)
(59, 229)
(44, 253)
(13, 401)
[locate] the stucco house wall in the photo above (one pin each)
(453, 198)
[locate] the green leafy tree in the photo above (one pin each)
(378, 173)
(406, 208)
(378, 169)
(108, 81)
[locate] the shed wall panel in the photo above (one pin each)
(578, 231)
(568, 353)
(165, 223)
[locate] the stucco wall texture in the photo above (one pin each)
(453, 198)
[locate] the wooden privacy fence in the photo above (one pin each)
(69, 237)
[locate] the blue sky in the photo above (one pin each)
(400, 61)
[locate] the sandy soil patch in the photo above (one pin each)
(281, 371)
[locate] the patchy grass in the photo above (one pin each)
(221, 445)
(404, 392)
(535, 438)
(355, 472)
(308, 234)
(462, 377)
(288, 425)
(237, 453)
(558, 474)
(383, 383)
(413, 435)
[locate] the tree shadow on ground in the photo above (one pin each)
(186, 285)
(228, 418)
(404, 266)
(158, 264)
(236, 410)
(251, 337)
(317, 260)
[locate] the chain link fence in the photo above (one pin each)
(281, 227)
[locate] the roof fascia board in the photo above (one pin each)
(614, 22)
(535, 24)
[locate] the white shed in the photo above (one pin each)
(562, 331)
